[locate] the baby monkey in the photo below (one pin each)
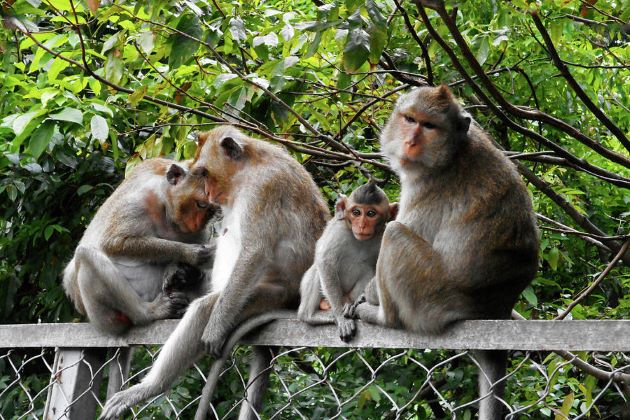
(345, 256)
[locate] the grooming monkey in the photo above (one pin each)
(345, 256)
(273, 214)
(464, 244)
(121, 273)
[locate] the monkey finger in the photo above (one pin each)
(347, 329)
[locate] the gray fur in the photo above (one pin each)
(111, 273)
(342, 268)
(272, 220)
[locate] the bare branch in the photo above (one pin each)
(553, 53)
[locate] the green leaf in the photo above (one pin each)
(237, 30)
(146, 41)
(555, 32)
(69, 114)
(183, 48)
(483, 51)
(356, 50)
(95, 85)
(530, 296)
(553, 256)
(566, 407)
(83, 189)
(111, 42)
(20, 123)
(99, 128)
(137, 95)
(40, 138)
(102, 108)
(114, 69)
(57, 66)
(48, 232)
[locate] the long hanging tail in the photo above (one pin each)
(493, 364)
(259, 369)
(258, 372)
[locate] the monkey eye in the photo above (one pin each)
(202, 204)
(428, 125)
(371, 213)
(409, 119)
(356, 212)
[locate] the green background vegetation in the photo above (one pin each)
(88, 90)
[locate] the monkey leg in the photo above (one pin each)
(182, 349)
(310, 295)
(413, 289)
(110, 302)
(492, 369)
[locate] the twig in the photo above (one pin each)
(599, 114)
(595, 283)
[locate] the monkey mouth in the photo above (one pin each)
(362, 236)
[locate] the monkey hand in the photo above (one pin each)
(115, 406)
(181, 276)
(199, 255)
(350, 309)
(213, 340)
(347, 328)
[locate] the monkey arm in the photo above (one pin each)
(249, 271)
(371, 292)
(331, 284)
(156, 249)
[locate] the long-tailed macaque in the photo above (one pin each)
(273, 214)
(464, 244)
(124, 271)
(345, 256)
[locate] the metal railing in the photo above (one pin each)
(56, 371)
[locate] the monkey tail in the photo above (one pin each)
(492, 369)
(259, 366)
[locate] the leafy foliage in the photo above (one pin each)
(88, 91)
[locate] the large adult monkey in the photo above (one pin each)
(273, 214)
(125, 266)
(465, 242)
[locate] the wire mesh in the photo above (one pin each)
(318, 383)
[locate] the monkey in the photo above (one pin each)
(345, 256)
(273, 214)
(464, 244)
(120, 274)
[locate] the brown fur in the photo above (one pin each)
(465, 242)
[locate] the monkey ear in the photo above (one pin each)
(393, 211)
(201, 139)
(463, 122)
(340, 207)
(232, 148)
(444, 93)
(175, 174)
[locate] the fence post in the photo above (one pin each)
(76, 379)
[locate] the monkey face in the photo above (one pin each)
(219, 157)
(190, 209)
(365, 220)
(424, 129)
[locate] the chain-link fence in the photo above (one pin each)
(323, 382)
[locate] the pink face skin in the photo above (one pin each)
(364, 219)
(417, 130)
